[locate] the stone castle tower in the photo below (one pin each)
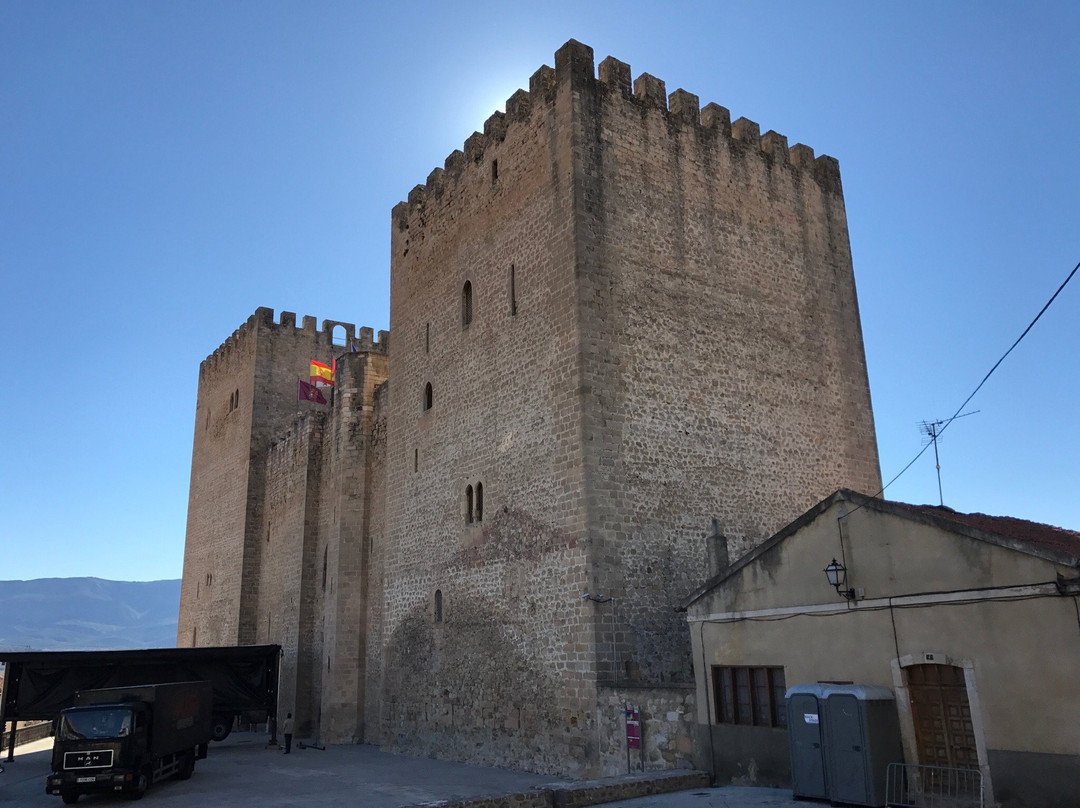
(273, 491)
(617, 317)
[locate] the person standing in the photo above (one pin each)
(286, 730)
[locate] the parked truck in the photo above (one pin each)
(42, 683)
(125, 739)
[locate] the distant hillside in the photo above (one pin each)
(87, 614)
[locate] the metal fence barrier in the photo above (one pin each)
(910, 785)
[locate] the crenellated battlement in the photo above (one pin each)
(362, 340)
(681, 110)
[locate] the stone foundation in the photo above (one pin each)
(587, 792)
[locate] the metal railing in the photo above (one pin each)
(910, 785)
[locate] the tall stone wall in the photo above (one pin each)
(345, 530)
(218, 495)
(312, 592)
(722, 361)
(374, 671)
(283, 358)
(286, 596)
(508, 673)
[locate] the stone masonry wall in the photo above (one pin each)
(218, 495)
(246, 399)
(668, 719)
(489, 682)
(508, 676)
(698, 300)
(345, 504)
(722, 351)
(284, 593)
(283, 357)
(312, 569)
(374, 670)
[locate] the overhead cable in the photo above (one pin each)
(980, 384)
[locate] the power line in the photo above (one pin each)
(955, 415)
(885, 606)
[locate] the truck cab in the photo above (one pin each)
(125, 741)
(100, 748)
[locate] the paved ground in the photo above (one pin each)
(242, 773)
(725, 797)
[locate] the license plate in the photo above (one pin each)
(85, 779)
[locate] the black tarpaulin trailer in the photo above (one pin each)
(39, 684)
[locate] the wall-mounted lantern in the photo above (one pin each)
(837, 575)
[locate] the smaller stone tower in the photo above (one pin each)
(278, 503)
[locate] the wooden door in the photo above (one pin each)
(944, 735)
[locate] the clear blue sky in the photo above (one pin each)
(165, 168)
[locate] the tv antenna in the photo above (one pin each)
(933, 430)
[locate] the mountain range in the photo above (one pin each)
(87, 614)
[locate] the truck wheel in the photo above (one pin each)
(141, 785)
(69, 797)
(220, 727)
(187, 767)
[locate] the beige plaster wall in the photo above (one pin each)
(886, 556)
(1023, 653)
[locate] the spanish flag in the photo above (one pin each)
(321, 375)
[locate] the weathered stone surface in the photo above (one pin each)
(587, 792)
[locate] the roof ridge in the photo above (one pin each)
(1039, 534)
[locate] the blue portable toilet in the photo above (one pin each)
(861, 733)
(804, 707)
